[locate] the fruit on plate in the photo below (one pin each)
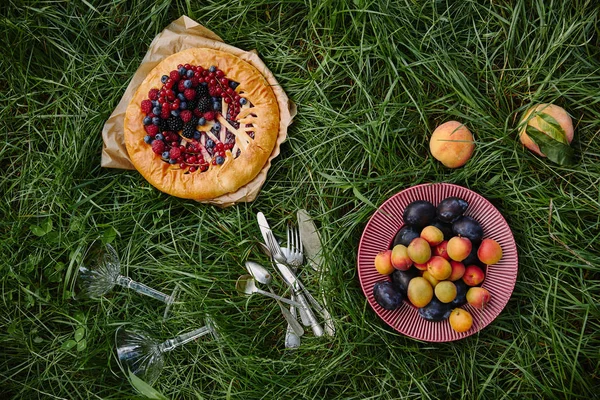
(445, 291)
(419, 292)
(401, 279)
(383, 262)
(489, 251)
(419, 214)
(461, 294)
(473, 275)
(433, 235)
(445, 227)
(386, 295)
(435, 311)
(468, 227)
(406, 235)
(451, 208)
(452, 144)
(478, 297)
(400, 258)
(458, 248)
(419, 251)
(441, 250)
(547, 130)
(458, 270)
(432, 281)
(460, 320)
(439, 268)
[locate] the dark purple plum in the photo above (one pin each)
(400, 279)
(419, 214)
(461, 294)
(406, 235)
(436, 310)
(451, 208)
(386, 295)
(468, 227)
(445, 228)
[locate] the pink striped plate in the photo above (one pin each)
(386, 222)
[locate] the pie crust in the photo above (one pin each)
(259, 116)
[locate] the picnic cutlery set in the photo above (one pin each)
(142, 355)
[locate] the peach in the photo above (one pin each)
(419, 292)
(442, 250)
(473, 275)
(439, 268)
(430, 278)
(536, 121)
(478, 297)
(399, 257)
(419, 250)
(458, 270)
(489, 251)
(383, 262)
(452, 144)
(459, 248)
(433, 235)
(445, 291)
(460, 320)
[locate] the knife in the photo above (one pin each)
(311, 242)
(289, 277)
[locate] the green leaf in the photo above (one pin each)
(69, 344)
(109, 235)
(556, 151)
(79, 333)
(47, 225)
(551, 127)
(81, 345)
(144, 388)
(37, 230)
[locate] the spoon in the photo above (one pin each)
(263, 276)
(246, 285)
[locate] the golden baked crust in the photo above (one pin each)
(234, 172)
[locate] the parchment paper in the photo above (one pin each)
(185, 33)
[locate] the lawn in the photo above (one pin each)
(371, 80)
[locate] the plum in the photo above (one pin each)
(406, 235)
(419, 214)
(451, 208)
(468, 227)
(435, 310)
(445, 228)
(461, 294)
(386, 295)
(400, 279)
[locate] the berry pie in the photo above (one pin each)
(202, 124)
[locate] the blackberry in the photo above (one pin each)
(202, 90)
(174, 124)
(189, 128)
(163, 125)
(192, 104)
(204, 104)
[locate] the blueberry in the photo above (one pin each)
(180, 96)
(156, 110)
(159, 136)
(204, 84)
(220, 160)
(243, 101)
(147, 121)
(189, 73)
(209, 143)
(165, 155)
(217, 106)
(164, 78)
(217, 126)
(172, 161)
(212, 68)
(215, 99)
(181, 71)
(148, 139)
(197, 135)
(201, 121)
(233, 84)
(175, 113)
(155, 120)
(187, 84)
(155, 103)
(183, 105)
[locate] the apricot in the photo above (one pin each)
(439, 268)
(478, 297)
(442, 250)
(430, 278)
(399, 257)
(458, 248)
(458, 270)
(460, 320)
(473, 275)
(421, 267)
(419, 250)
(452, 144)
(433, 235)
(383, 262)
(445, 291)
(419, 292)
(489, 251)
(537, 121)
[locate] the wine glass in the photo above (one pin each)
(100, 272)
(143, 355)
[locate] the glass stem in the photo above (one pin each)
(143, 289)
(170, 344)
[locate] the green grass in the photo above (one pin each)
(371, 80)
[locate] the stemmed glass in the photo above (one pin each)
(100, 272)
(143, 355)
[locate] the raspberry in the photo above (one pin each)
(186, 115)
(153, 94)
(189, 94)
(146, 106)
(197, 112)
(209, 115)
(151, 129)
(174, 75)
(181, 86)
(175, 153)
(165, 113)
(158, 146)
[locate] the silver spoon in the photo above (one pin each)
(263, 276)
(246, 285)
